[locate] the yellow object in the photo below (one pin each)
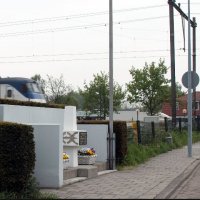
(65, 156)
(134, 125)
(135, 131)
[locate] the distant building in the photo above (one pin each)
(123, 115)
(181, 106)
(129, 115)
(82, 115)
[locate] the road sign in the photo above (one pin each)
(194, 79)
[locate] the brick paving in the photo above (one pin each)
(145, 181)
(189, 189)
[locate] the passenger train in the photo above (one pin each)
(22, 89)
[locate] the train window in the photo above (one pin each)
(24, 88)
(33, 87)
(9, 93)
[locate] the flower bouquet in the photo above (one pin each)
(65, 160)
(86, 156)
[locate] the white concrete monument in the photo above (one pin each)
(71, 135)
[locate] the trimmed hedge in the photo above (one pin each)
(120, 129)
(30, 103)
(17, 156)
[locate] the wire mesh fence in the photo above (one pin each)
(147, 133)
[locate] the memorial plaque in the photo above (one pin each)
(82, 138)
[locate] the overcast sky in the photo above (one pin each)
(70, 37)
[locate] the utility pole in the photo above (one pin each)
(172, 54)
(111, 139)
(172, 5)
(189, 88)
(194, 25)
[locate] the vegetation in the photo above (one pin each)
(147, 90)
(17, 155)
(179, 92)
(31, 191)
(57, 91)
(138, 153)
(96, 96)
(31, 103)
(148, 86)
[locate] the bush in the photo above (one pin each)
(30, 103)
(120, 129)
(17, 155)
(31, 191)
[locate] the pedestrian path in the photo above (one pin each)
(189, 189)
(145, 181)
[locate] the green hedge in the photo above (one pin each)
(120, 129)
(17, 156)
(30, 103)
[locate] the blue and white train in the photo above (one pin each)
(23, 89)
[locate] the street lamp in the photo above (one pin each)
(184, 111)
(184, 114)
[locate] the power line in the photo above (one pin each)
(88, 26)
(86, 59)
(86, 53)
(61, 18)
(52, 30)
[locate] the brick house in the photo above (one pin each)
(181, 106)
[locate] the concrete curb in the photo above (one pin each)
(176, 183)
(79, 179)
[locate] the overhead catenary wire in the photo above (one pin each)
(84, 27)
(87, 26)
(86, 53)
(86, 59)
(68, 17)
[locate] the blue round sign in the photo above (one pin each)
(194, 79)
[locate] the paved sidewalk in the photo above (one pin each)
(157, 178)
(190, 188)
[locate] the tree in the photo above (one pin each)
(57, 91)
(72, 98)
(96, 96)
(179, 92)
(148, 86)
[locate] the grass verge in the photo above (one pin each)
(138, 153)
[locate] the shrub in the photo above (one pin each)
(120, 129)
(31, 191)
(30, 103)
(17, 155)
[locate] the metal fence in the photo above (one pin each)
(151, 132)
